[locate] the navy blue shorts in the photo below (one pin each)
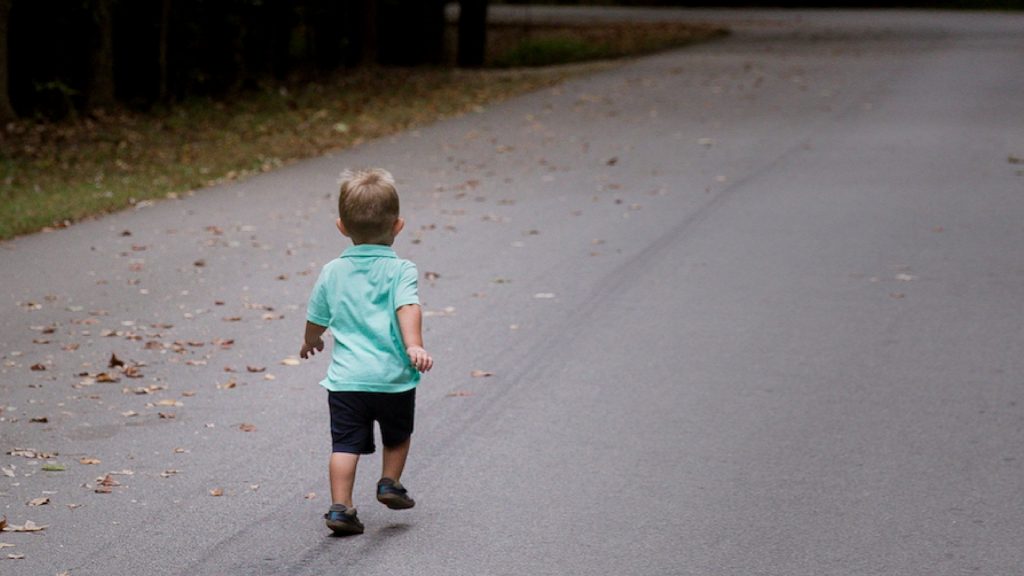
(353, 415)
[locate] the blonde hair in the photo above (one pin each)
(368, 205)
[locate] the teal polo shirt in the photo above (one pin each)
(356, 296)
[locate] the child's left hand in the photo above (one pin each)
(310, 349)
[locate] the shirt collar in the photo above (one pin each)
(369, 250)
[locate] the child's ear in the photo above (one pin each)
(398, 226)
(341, 228)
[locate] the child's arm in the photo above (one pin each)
(410, 323)
(313, 342)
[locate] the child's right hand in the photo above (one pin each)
(421, 360)
(310, 349)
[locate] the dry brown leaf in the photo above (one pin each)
(290, 361)
(115, 362)
(15, 556)
(481, 374)
(217, 492)
(41, 501)
(247, 427)
(37, 367)
(256, 369)
(88, 461)
(28, 526)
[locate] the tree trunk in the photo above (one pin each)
(101, 92)
(369, 55)
(472, 33)
(6, 110)
(165, 28)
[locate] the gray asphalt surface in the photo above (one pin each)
(751, 307)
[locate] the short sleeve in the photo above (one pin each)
(317, 310)
(406, 290)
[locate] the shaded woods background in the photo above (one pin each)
(59, 58)
(63, 57)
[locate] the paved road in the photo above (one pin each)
(751, 307)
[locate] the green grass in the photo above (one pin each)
(53, 174)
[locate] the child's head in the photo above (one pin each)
(368, 207)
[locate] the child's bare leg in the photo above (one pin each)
(343, 477)
(394, 460)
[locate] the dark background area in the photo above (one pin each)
(60, 58)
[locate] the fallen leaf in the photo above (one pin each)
(115, 362)
(37, 368)
(290, 361)
(34, 454)
(88, 461)
(169, 402)
(168, 473)
(53, 468)
(481, 374)
(28, 526)
(5, 545)
(3, 523)
(459, 394)
(15, 556)
(217, 492)
(108, 481)
(166, 415)
(256, 369)
(247, 427)
(310, 496)
(544, 295)
(39, 420)
(42, 501)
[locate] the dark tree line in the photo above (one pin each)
(61, 57)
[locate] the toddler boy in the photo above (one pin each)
(368, 299)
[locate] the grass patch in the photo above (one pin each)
(53, 174)
(515, 45)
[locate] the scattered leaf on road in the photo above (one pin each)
(247, 427)
(88, 461)
(481, 374)
(217, 492)
(42, 501)
(28, 526)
